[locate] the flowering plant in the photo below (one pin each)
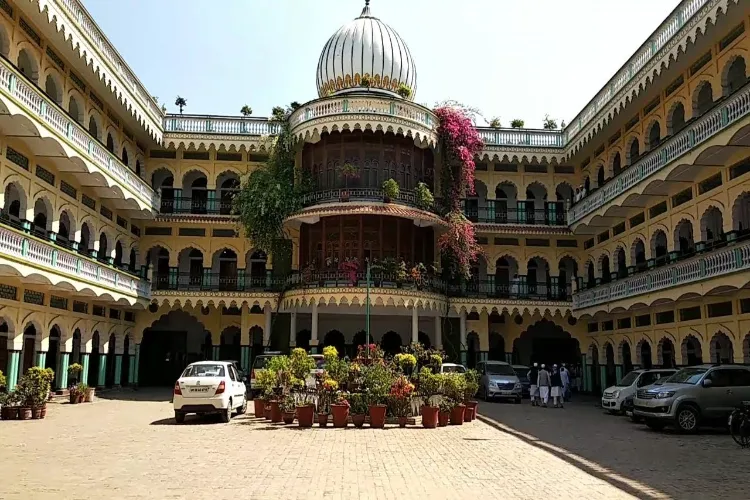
(460, 243)
(351, 267)
(406, 362)
(376, 354)
(400, 396)
(342, 398)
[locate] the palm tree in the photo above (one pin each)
(181, 102)
(246, 110)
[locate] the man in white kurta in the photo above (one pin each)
(544, 382)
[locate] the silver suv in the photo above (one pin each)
(693, 396)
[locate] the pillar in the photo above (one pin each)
(118, 369)
(131, 371)
(509, 357)
(62, 375)
(414, 325)
(267, 328)
(314, 329)
(618, 373)
(137, 363)
(293, 329)
(584, 374)
(215, 352)
(602, 377)
(41, 359)
(463, 346)
(438, 332)
(102, 377)
(85, 370)
(14, 362)
(245, 340)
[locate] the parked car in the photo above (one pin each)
(522, 372)
(498, 380)
(209, 387)
(452, 368)
(619, 397)
(258, 364)
(694, 396)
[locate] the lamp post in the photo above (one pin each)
(367, 311)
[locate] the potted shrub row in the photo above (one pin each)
(29, 398)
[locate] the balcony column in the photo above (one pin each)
(314, 330)
(26, 223)
(133, 365)
(267, 328)
(55, 228)
(438, 333)
(136, 364)
(618, 373)
(293, 330)
(245, 340)
(414, 325)
(95, 250)
(14, 361)
(463, 347)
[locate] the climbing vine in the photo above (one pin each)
(459, 143)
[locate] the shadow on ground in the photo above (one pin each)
(155, 394)
(631, 457)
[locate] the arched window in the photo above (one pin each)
(103, 254)
(736, 76)
(741, 214)
(93, 128)
(712, 226)
(639, 254)
(110, 143)
(683, 234)
(84, 247)
(704, 99)
(125, 158)
(606, 273)
(118, 254)
(27, 65)
(617, 164)
(622, 267)
(52, 90)
(659, 247)
(654, 136)
(74, 110)
(41, 218)
(677, 119)
(600, 177)
(633, 152)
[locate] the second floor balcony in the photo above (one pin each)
(524, 213)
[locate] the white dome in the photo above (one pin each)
(365, 47)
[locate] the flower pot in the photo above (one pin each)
(429, 417)
(287, 417)
(24, 413)
(340, 415)
(36, 413)
(89, 397)
(468, 413)
(266, 409)
(402, 421)
(386, 199)
(275, 411)
(323, 419)
(258, 407)
(344, 196)
(473, 405)
(6, 412)
(443, 418)
(305, 415)
(43, 412)
(457, 414)
(80, 398)
(358, 420)
(377, 416)
(73, 398)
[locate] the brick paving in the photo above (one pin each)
(129, 447)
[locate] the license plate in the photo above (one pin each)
(199, 389)
(506, 393)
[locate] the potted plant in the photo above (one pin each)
(390, 190)
(400, 398)
(358, 408)
(288, 405)
(76, 393)
(423, 196)
(377, 379)
(404, 91)
(327, 388)
(429, 387)
(348, 171)
(264, 379)
(300, 366)
(279, 368)
(444, 415)
(471, 379)
(7, 410)
(3, 381)
(365, 82)
(517, 123)
(340, 410)
(454, 386)
(406, 362)
(89, 394)
(74, 371)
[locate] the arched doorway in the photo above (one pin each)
(497, 347)
(303, 339)
(53, 353)
(595, 372)
(29, 348)
(424, 339)
(360, 338)
(472, 349)
(125, 375)
(336, 339)
(207, 347)
(256, 340)
(644, 355)
(168, 346)
(611, 370)
(691, 351)
(666, 353)
(627, 361)
(230, 349)
(547, 342)
(721, 349)
(94, 361)
(109, 379)
(391, 343)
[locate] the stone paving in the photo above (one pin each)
(129, 447)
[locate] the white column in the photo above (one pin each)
(438, 332)
(314, 329)
(414, 325)
(293, 329)
(463, 330)
(267, 329)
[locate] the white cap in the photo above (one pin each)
(535, 364)
(542, 365)
(554, 366)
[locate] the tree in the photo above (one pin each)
(181, 102)
(517, 123)
(246, 110)
(549, 123)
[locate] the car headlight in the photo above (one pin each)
(664, 394)
(616, 394)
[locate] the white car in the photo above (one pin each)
(619, 397)
(452, 368)
(209, 387)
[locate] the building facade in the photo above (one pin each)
(618, 241)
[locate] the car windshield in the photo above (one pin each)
(499, 370)
(521, 373)
(320, 363)
(687, 376)
(628, 380)
(204, 371)
(261, 362)
(453, 369)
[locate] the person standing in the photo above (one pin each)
(534, 388)
(556, 382)
(565, 377)
(544, 382)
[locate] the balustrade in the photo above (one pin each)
(498, 213)
(226, 125)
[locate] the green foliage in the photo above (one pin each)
(300, 363)
(365, 82)
(358, 402)
(75, 369)
(454, 385)
(280, 368)
(436, 360)
(495, 123)
(549, 123)
(406, 362)
(377, 379)
(265, 380)
(517, 123)
(3, 381)
(34, 386)
(79, 389)
(404, 91)
(391, 189)
(180, 102)
(270, 194)
(429, 384)
(425, 200)
(246, 110)
(288, 404)
(336, 368)
(471, 381)
(348, 171)
(447, 404)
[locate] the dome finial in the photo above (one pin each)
(366, 10)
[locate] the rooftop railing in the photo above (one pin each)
(521, 137)
(220, 125)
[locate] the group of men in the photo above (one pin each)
(544, 384)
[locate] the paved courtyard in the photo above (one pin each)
(129, 447)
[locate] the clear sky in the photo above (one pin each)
(512, 59)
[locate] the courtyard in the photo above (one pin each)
(127, 446)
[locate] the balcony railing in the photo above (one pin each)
(55, 259)
(14, 85)
(521, 137)
(344, 279)
(701, 130)
(517, 289)
(719, 262)
(196, 205)
(317, 197)
(553, 215)
(222, 125)
(241, 281)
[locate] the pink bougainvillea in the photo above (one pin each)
(460, 143)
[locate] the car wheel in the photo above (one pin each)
(179, 417)
(226, 415)
(687, 419)
(655, 425)
(242, 409)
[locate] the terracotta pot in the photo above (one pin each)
(443, 418)
(429, 417)
(402, 421)
(358, 420)
(90, 392)
(473, 405)
(43, 412)
(340, 415)
(73, 399)
(6, 412)
(80, 398)
(305, 415)
(457, 414)
(24, 413)
(323, 419)
(36, 413)
(377, 416)
(266, 409)
(275, 411)
(468, 413)
(287, 417)
(258, 407)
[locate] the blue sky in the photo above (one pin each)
(512, 59)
